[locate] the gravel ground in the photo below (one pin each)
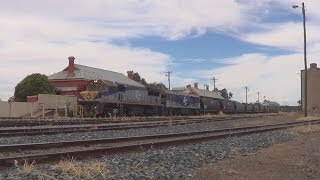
(178, 162)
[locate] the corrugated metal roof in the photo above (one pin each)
(199, 92)
(90, 73)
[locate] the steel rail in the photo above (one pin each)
(32, 122)
(122, 144)
(26, 131)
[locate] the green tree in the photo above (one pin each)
(152, 86)
(299, 102)
(143, 81)
(33, 84)
(158, 86)
(136, 77)
(224, 93)
(230, 95)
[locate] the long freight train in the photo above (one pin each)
(102, 100)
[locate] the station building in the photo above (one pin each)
(75, 77)
(313, 88)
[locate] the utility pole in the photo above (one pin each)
(204, 97)
(305, 59)
(305, 62)
(258, 96)
(168, 74)
(214, 82)
(246, 95)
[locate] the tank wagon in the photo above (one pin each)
(271, 107)
(239, 107)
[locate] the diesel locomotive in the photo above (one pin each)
(104, 99)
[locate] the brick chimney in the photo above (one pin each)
(71, 67)
(313, 66)
(207, 87)
(195, 85)
(130, 74)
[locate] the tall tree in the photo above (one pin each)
(230, 95)
(136, 77)
(299, 102)
(143, 81)
(33, 84)
(224, 93)
(152, 86)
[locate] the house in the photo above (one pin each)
(200, 92)
(75, 77)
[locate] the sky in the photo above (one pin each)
(253, 43)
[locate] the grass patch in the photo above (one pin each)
(305, 129)
(26, 167)
(80, 170)
(308, 118)
(30, 169)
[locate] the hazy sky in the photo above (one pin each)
(258, 43)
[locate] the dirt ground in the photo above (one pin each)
(296, 159)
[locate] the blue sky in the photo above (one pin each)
(254, 43)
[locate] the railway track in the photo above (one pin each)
(42, 122)
(54, 151)
(47, 130)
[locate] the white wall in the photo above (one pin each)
(17, 109)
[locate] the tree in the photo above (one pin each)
(159, 86)
(143, 81)
(33, 84)
(152, 86)
(230, 95)
(225, 94)
(299, 102)
(136, 77)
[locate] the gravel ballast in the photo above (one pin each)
(139, 132)
(179, 162)
(116, 133)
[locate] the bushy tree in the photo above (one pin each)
(33, 84)
(152, 86)
(230, 95)
(299, 103)
(136, 77)
(225, 94)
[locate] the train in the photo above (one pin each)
(101, 99)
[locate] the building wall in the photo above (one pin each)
(17, 109)
(49, 101)
(313, 89)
